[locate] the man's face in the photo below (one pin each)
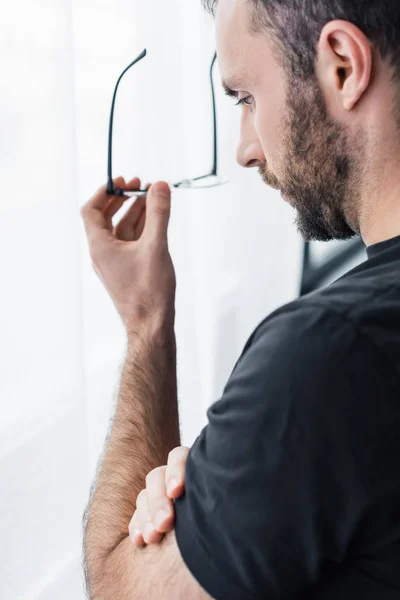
(286, 131)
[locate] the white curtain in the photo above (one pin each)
(236, 252)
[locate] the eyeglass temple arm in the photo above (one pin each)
(215, 139)
(215, 147)
(110, 184)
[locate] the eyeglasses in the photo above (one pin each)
(212, 179)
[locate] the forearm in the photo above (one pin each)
(144, 430)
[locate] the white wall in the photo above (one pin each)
(236, 252)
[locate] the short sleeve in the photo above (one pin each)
(277, 482)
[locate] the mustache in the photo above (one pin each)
(268, 178)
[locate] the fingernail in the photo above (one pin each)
(172, 485)
(162, 516)
(162, 189)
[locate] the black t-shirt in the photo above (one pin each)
(293, 487)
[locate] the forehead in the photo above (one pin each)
(242, 57)
(232, 37)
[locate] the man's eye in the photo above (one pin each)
(244, 101)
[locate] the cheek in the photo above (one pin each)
(268, 124)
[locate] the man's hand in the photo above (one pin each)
(132, 259)
(155, 514)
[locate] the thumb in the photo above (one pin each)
(158, 210)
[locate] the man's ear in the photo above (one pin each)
(344, 63)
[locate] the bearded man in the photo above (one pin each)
(292, 490)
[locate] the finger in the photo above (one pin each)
(139, 227)
(125, 228)
(158, 210)
(127, 231)
(94, 220)
(175, 473)
(100, 199)
(141, 500)
(131, 228)
(133, 184)
(116, 202)
(151, 535)
(134, 531)
(113, 206)
(148, 530)
(160, 506)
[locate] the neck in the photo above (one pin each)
(379, 215)
(382, 221)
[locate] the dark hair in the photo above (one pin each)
(296, 26)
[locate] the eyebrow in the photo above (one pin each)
(230, 83)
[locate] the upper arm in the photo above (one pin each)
(148, 573)
(278, 481)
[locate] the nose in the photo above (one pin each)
(249, 152)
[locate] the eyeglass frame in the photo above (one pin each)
(111, 190)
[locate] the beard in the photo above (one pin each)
(322, 167)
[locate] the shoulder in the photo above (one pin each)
(307, 356)
(303, 328)
(290, 357)
(355, 319)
